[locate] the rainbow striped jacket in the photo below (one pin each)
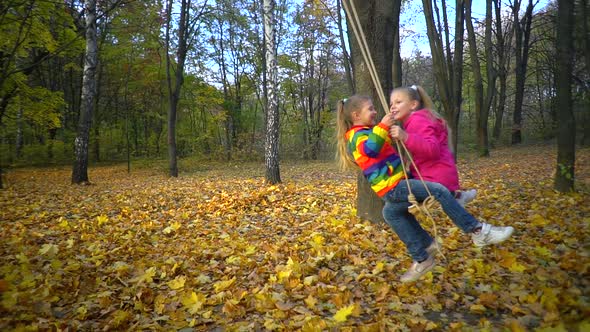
(372, 150)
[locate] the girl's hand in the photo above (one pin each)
(396, 132)
(388, 120)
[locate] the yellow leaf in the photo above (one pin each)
(172, 228)
(538, 220)
(250, 250)
(159, 303)
(63, 223)
(49, 250)
(544, 252)
(477, 308)
(549, 299)
(517, 267)
(310, 301)
(177, 283)
(378, 268)
(233, 259)
(120, 317)
(318, 239)
(102, 219)
(342, 314)
(223, 285)
(193, 302)
(146, 276)
(82, 311)
(309, 280)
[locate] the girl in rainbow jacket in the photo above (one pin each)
(365, 144)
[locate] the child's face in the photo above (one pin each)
(366, 116)
(401, 106)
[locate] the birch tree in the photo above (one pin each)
(80, 171)
(271, 145)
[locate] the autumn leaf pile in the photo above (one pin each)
(218, 249)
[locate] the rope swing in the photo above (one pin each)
(415, 207)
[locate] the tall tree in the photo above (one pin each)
(346, 58)
(503, 56)
(80, 170)
(482, 101)
(522, 33)
(584, 14)
(397, 73)
(566, 137)
(186, 34)
(377, 24)
(271, 146)
(448, 66)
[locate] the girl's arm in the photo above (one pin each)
(422, 139)
(370, 142)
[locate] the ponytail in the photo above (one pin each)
(344, 109)
(416, 92)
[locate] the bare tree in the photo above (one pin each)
(482, 101)
(503, 59)
(346, 58)
(566, 137)
(448, 68)
(522, 34)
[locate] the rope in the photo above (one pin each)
(415, 207)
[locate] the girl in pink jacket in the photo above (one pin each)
(425, 134)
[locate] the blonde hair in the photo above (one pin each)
(344, 109)
(416, 92)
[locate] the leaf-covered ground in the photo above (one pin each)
(217, 249)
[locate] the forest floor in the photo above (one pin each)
(218, 249)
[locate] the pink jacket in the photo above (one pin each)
(428, 143)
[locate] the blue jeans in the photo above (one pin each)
(406, 226)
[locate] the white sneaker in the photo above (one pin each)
(417, 270)
(466, 196)
(491, 235)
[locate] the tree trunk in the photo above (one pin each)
(19, 134)
(566, 137)
(448, 72)
(377, 20)
(174, 89)
(585, 139)
(397, 74)
(346, 59)
(502, 56)
(522, 32)
(481, 113)
(80, 170)
(271, 146)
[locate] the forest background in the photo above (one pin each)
(220, 106)
(218, 247)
